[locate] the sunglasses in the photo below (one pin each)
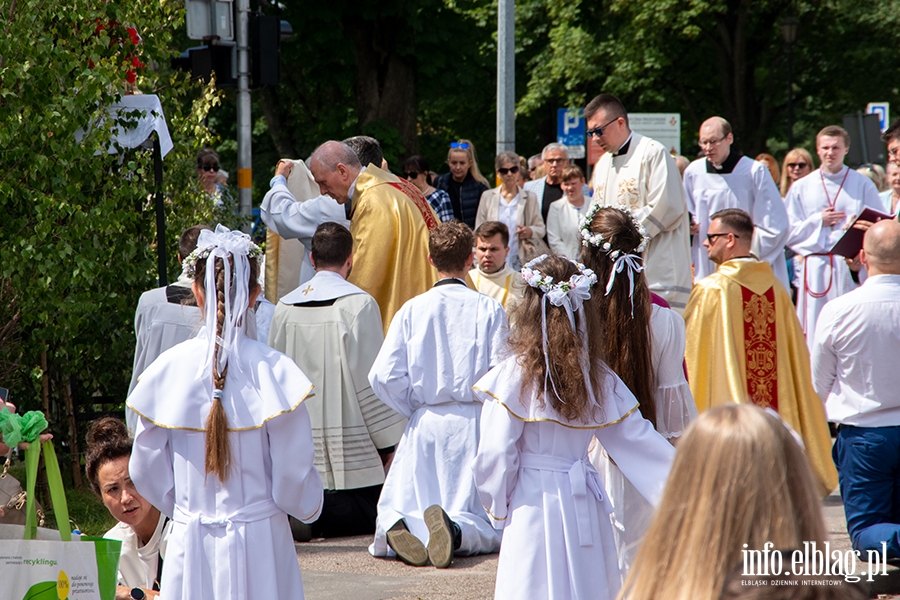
(801, 165)
(711, 237)
(209, 168)
(504, 170)
(598, 131)
(411, 175)
(460, 145)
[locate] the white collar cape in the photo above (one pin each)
(503, 385)
(264, 384)
(325, 285)
(501, 273)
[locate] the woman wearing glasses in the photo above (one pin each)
(464, 183)
(798, 163)
(208, 171)
(516, 208)
(415, 169)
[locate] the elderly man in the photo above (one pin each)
(640, 174)
(854, 368)
(389, 223)
(724, 179)
(548, 189)
(744, 343)
(820, 207)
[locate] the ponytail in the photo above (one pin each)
(218, 449)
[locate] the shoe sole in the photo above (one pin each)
(440, 539)
(408, 547)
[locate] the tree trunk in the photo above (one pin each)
(385, 80)
(270, 102)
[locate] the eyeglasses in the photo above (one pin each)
(504, 170)
(553, 161)
(711, 143)
(800, 165)
(208, 168)
(460, 145)
(411, 175)
(598, 131)
(711, 237)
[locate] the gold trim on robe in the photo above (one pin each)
(718, 360)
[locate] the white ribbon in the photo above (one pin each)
(221, 243)
(633, 263)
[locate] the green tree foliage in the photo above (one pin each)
(77, 231)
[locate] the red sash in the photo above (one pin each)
(760, 348)
(419, 201)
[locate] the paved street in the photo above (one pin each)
(342, 568)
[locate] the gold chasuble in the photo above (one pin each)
(390, 223)
(745, 344)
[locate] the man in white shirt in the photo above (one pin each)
(332, 330)
(491, 274)
(724, 179)
(854, 363)
(639, 173)
(820, 207)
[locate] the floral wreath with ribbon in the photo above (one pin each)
(621, 260)
(570, 295)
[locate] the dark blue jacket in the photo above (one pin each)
(469, 196)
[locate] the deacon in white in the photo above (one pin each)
(820, 207)
(437, 346)
(640, 174)
(491, 274)
(532, 470)
(230, 537)
(724, 179)
(564, 218)
(293, 208)
(332, 329)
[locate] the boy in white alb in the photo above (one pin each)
(438, 345)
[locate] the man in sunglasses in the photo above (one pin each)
(745, 343)
(725, 179)
(640, 174)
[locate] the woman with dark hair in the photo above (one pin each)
(542, 406)
(415, 169)
(223, 442)
(643, 343)
(140, 526)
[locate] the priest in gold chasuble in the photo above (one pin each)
(390, 222)
(745, 343)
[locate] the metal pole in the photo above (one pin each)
(862, 136)
(790, 106)
(244, 126)
(506, 76)
(160, 214)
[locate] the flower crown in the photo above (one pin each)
(583, 278)
(590, 238)
(189, 264)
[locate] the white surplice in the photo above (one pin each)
(335, 345)
(230, 539)
(675, 409)
(749, 187)
(564, 228)
(822, 276)
(645, 179)
(535, 480)
(437, 346)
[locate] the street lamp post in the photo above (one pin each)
(789, 27)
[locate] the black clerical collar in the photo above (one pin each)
(450, 281)
(624, 149)
(727, 166)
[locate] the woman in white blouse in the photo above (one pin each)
(564, 218)
(517, 209)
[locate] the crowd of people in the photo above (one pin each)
(605, 379)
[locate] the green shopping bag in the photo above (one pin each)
(40, 569)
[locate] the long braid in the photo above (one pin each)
(218, 449)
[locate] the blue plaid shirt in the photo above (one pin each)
(440, 202)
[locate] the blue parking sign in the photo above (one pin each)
(570, 126)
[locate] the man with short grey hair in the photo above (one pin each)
(548, 189)
(390, 223)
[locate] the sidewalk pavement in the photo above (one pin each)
(342, 568)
